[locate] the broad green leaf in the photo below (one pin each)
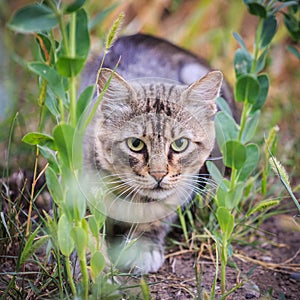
(54, 186)
(268, 31)
(93, 225)
(84, 99)
(80, 239)
(52, 104)
(64, 135)
(68, 66)
(234, 196)
(215, 174)
(263, 206)
(292, 25)
(77, 4)
(37, 138)
(261, 62)
(252, 153)
(33, 18)
(50, 155)
(234, 154)
(223, 105)
(55, 81)
(264, 83)
(257, 9)
(231, 197)
(242, 62)
(65, 241)
(75, 202)
(98, 263)
(226, 221)
(247, 88)
(82, 34)
(250, 127)
(226, 128)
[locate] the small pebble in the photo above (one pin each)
(249, 296)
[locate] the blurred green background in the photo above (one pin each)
(204, 27)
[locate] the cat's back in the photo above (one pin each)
(142, 56)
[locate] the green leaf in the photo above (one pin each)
(215, 174)
(32, 245)
(68, 66)
(84, 99)
(50, 155)
(55, 81)
(226, 128)
(98, 263)
(74, 6)
(65, 241)
(240, 40)
(230, 198)
(33, 18)
(37, 138)
(268, 31)
(264, 83)
(223, 105)
(250, 127)
(247, 88)
(294, 51)
(262, 206)
(82, 38)
(234, 154)
(54, 186)
(261, 62)
(93, 225)
(257, 9)
(80, 238)
(252, 153)
(242, 62)
(64, 135)
(292, 25)
(226, 221)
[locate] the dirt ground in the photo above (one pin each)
(268, 270)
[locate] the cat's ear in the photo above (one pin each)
(114, 84)
(200, 96)
(118, 94)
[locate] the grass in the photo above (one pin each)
(205, 28)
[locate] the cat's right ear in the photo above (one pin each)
(113, 84)
(118, 94)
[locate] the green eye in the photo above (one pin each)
(180, 145)
(135, 144)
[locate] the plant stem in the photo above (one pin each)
(70, 277)
(72, 80)
(85, 277)
(256, 45)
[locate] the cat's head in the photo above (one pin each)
(151, 137)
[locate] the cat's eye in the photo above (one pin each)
(180, 145)
(135, 144)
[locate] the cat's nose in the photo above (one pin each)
(158, 175)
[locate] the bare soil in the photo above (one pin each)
(266, 267)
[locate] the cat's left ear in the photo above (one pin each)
(201, 95)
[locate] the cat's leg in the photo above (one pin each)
(141, 249)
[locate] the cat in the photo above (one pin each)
(149, 139)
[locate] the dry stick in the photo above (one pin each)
(280, 267)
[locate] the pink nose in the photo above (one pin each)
(158, 175)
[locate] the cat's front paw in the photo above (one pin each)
(140, 256)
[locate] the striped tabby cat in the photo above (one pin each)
(151, 135)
